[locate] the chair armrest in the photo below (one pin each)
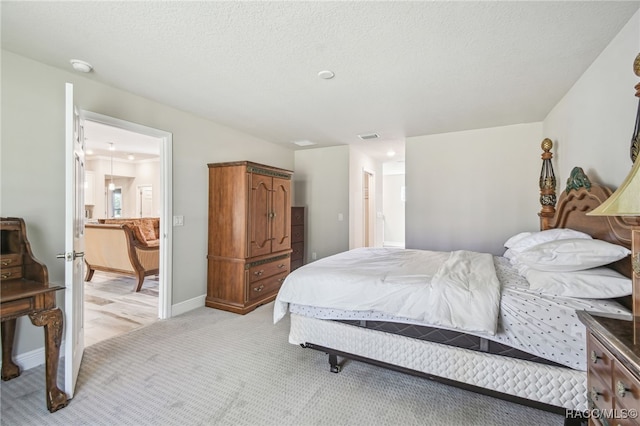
(142, 256)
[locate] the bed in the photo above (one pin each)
(534, 353)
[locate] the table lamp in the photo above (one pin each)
(625, 201)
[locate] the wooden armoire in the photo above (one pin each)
(249, 245)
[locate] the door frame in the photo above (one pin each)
(165, 289)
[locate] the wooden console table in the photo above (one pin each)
(25, 290)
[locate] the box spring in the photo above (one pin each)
(549, 387)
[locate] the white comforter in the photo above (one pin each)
(457, 289)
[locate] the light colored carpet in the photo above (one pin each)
(210, 367)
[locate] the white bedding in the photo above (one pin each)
(543, 325)
(457, 290)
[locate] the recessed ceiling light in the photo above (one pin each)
(326, 74)
(131, 157)
(391, 153)
(304, 143)
(81, 66)
(89, 152)
(369, 136)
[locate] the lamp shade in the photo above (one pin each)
(625, 201)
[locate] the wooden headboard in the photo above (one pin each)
(579, 197)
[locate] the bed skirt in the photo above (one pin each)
(539, 383)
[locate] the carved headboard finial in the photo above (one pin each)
(547, 185)
(578, 179)
(634, 151)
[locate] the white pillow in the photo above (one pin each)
(525, 240)
(518, 237)
(596, 283)
(571, 255)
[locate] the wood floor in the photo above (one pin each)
(112, 308)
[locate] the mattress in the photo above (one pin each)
(544, 326)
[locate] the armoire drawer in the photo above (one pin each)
(264, 270)
(257, 290)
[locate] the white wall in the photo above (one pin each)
(129, 175)
(321, 184)
(592, 125)
(473, 189)
(32, 166)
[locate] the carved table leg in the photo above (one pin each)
(9, 369)
(52, 322)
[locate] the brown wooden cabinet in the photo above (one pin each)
(613, 370)
(297, 237)
(249, 234)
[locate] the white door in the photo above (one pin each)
(145, 200)
(74, 243)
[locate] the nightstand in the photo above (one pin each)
(613, 369)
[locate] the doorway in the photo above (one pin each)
(144, 201)
(368, 208)
(135, 184)
(393, 203)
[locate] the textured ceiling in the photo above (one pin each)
(402, 68)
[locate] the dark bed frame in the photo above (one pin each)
(580, 196)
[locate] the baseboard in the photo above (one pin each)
(393, 244)
(188, 305)
(34, 358)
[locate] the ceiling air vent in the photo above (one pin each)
(369, 136)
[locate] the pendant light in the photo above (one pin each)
(112, 186)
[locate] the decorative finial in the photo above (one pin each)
(547, 186)
(634, 151)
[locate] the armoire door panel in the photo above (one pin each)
(259, 221)
(281, 218)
